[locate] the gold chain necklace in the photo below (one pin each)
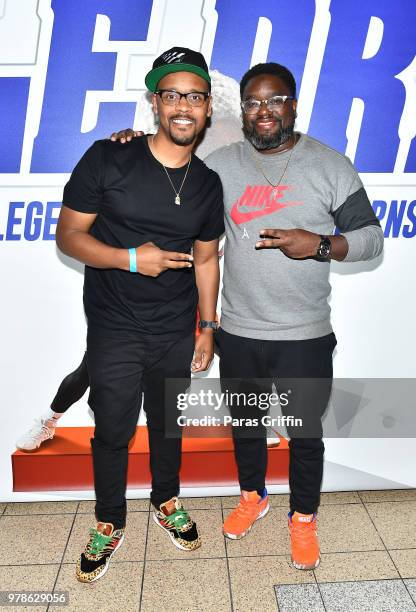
(274, 185)
(177, 193)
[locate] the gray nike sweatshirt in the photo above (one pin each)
(267, 295)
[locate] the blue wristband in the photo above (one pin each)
(133, 260)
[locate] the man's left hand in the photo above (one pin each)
(294, 243)
(204, 351)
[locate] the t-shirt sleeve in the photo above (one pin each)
(83, 192)
(214, 223)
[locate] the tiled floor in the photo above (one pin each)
(368, 545)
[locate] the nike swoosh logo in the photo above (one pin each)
(259, 201)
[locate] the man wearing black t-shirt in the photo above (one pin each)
(145, 219)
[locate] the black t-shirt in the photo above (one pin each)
(129, 190)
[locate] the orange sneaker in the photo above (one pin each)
(250, 509)
(304, 540)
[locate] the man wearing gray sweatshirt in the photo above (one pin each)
(284, 193)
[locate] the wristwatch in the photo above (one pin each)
(208, 324)
(324, 249)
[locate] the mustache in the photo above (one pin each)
(182, 117)
(269, 117)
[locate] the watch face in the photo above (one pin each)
(324, 250)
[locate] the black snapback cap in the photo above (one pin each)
(177, 59)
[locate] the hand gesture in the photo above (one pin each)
(294, 243)
(152, 261)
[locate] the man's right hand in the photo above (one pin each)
(125, 135)
(152, 261)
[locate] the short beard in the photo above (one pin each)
(272, 141)
(182, 141)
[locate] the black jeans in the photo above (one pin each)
(120, 367)
(246, 358)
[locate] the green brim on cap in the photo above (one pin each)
(154, 76)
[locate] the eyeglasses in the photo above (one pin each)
(172, 98)
(252, 106)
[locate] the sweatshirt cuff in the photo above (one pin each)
(364, 244)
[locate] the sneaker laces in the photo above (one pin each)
(97, 542)
(304, 531)
(179, 519)
(47, 430)
(43, 428)
(244, 508)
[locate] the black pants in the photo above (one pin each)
(246, 358)
(72, 388)
(120, 367)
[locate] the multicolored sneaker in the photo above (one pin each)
(103, 543)
(250, 509)
(304, 540)
(174, 519)
(40, 431)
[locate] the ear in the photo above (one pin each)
(209, 110)
(294, 106)
(154, 104)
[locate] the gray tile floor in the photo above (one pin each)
(367, 541)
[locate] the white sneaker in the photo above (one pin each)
(273, 438)
(41, 430)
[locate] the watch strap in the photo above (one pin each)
(208, 324)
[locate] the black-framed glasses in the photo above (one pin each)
(251, 106)
(171, 97)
